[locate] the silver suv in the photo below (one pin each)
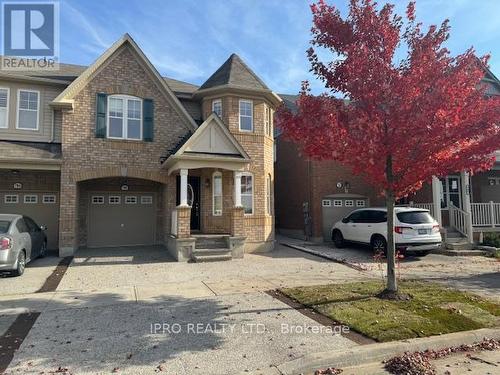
(21, 241)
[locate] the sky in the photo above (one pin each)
(189, 39)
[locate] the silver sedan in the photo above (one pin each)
(21, 241)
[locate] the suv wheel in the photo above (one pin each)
(338, 239)
(379, 245)
(21, 264)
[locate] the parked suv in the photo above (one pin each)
(21, 240)
(415, 230)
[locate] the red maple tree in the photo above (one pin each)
(403, 120)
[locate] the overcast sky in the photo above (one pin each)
(190, 39)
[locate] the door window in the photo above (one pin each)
(451, 192)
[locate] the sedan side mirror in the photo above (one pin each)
(345, 220)
(43, 227)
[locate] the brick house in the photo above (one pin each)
(306, 191)
(115, 155)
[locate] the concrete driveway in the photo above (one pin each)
(132, 310)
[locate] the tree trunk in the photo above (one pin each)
(391, 248)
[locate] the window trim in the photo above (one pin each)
(149, 198)
(6, 108)
(19, 109)
(214, 101)
(239, 115)
(338, 203)
(349, 203)
(326, 203)
(118, 201)
(49, 196)
(133, 197)
(125, 118)
(11, 195)
(31, 196)
(214, 175)
(100, 197)
(267, 120)
(269, 189)
(253, 192)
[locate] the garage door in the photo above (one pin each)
(121, 219)
(41, 207)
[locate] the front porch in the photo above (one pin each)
(465, 205)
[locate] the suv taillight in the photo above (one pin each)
(435, 229)
(5, 243)
(399, 230)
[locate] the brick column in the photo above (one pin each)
(183, 222)
(237, 222)
(68, 215)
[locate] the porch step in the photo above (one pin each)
(210, 242)
(459, 245)
(211, 255)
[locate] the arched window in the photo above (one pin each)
(124, 117)
(217, 194)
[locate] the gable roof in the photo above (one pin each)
(65, 98)
(234, 72)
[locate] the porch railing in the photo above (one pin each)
(458, 219)
(426, 206)
(485, 214)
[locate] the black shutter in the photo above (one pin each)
(148, 120)
(100, 123)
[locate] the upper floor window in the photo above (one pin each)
(247, 193)
(217, 194)
(267, 120)
(124, 117)
(246, 115)
(28, 104)
(217, 107)
(269, 187)
(4, 108)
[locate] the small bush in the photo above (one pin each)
(492, 239)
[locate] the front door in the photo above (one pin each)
(193, 198)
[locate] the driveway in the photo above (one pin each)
(134, 311)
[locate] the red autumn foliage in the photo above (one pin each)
(429, 112)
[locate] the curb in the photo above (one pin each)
(365, 354)
(463, 253)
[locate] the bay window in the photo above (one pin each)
(124, 117)
(217, 194)
(28, 103)
(247, 193)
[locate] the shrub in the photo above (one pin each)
(491, 239)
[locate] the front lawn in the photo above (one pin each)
(433, 309)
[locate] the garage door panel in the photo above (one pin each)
(41, 207)
(118, 219)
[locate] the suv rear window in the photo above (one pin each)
(4, 226)
(415, 217)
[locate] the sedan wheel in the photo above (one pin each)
(21, 264)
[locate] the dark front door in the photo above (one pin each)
(193, 199)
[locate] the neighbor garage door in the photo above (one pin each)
(121, 219)
(41, 207)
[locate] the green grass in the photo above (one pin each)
(433, 309)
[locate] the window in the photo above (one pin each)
(31, 199)
(146, 199)
(268, 120)
(130, 199)
(217, 107)
(27, 109)
(11, 198)
(415, 217)
(246, 115)
(337, 203)
(49, 199)
(217, 194)
(97, 199)
(268, 194)
(124, 117)
(360, 203)
(349, 203)
(247, 193)
(4, 108)
(114, 199)
(326, 203)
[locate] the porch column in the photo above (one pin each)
(436, 199)
(183, 187)
(466, 203)
(237, 189)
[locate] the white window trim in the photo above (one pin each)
(119, 200)
(149, 199)
(125, 99)
(7, 108)
(100, 197)
(30, 196)
(326, 203)
(360, 203)
(269, 190)
(217, 174)
(131, 196)
(253, 192)
(239, 115)
(213, 106)
(12, 196)
(337, 203)
(19, 109)
(349, 203)
(267, 120)
(47, 196)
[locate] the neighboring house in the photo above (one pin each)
(311, 195)
(115, 155)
